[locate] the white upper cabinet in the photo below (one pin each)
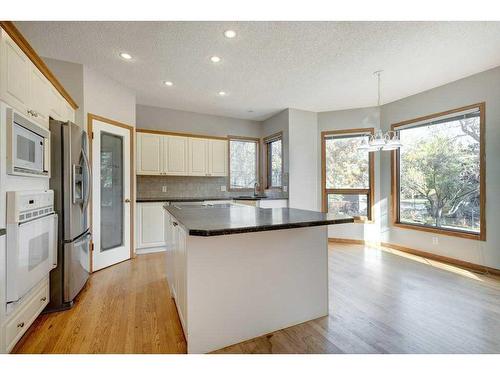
(68, 112)
(24, 87)
(149, 154)
(39, 88)
(217, 157)
(175, 151)
(198, 157)
(55, 105)
(14, 77)
(180, 156)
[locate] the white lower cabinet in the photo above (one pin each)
(150, 227)
(176, 259)
(24, 314)
(264, 203)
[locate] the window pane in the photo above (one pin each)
(348, 204)
(346, 166)
(275, 163)
(111, 191)
(439, 175)
(243, 163)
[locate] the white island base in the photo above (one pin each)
(232, 288)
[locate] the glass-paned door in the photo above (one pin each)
(111, 220)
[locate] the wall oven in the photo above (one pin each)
(28, 146)
(31, 240)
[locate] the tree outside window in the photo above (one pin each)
(440, 173)
(243, 163)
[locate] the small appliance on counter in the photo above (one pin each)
(31, 240)
(71, 182)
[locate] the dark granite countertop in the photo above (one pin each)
(2, 231)
(213, 221)
(198, 199)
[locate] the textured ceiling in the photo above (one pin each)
(269, 66)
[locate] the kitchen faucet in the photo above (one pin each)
(256, 189)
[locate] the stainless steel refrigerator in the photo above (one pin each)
(71, 181)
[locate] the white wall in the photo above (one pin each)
(107, 98)
(196, 123)
(474, 89)
(304, 160)
(353, 119)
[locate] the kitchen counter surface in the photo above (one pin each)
(2, 231)
(198, 199)
(214, 221)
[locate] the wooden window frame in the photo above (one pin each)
(257, 160)
(370, 192)
(267, 141)
(481, 236)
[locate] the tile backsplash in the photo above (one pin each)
(188, 186)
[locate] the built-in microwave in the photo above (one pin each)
(28, 146)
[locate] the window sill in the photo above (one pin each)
(451, 233)
(362, 220)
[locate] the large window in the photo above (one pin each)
(347, 175)
(439, 173)
(274, 161)
(243, 163)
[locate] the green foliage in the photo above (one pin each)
(443, 169)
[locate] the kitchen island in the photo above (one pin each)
(238, 272)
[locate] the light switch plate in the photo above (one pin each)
(163, 189)
(223, 188)
(285, 189)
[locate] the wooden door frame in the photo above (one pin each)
(90, 134)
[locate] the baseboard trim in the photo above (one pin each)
(149, 250)
(440, 258)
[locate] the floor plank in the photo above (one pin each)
(380, 302)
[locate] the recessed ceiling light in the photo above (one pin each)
(168, 83)
(229, 34)
(222, 93)
(125, 56)
(215, 59)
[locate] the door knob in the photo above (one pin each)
(127, 200)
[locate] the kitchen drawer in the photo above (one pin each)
(26, 314)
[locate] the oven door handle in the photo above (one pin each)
(87, 182)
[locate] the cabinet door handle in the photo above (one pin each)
(174, 223)
(20, 325)
(43, 299)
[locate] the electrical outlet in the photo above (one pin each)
(435, 240)
(163, 189)
(223, 188)
(285, 188)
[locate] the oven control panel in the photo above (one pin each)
(27, 205)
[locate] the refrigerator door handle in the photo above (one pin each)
(87, 182)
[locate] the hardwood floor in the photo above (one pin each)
(125, 308)
(380, 302)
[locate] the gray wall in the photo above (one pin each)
(352, 119)
(196, 123)
(71, 77)
(273, 125)
(304, 167)
(474, 89)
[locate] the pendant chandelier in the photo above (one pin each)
(380, 141)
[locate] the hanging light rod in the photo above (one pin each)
(380, 141)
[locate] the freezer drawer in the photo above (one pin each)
(76, 266)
